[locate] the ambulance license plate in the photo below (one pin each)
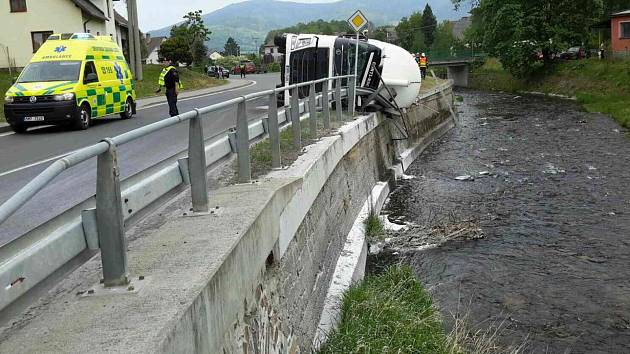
(34, 119)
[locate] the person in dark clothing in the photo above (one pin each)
(169, 79)
(243, 71)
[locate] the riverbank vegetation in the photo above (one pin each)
(392, 313)
(599, 85)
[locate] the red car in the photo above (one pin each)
(250, 68)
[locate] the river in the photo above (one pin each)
(535, 234)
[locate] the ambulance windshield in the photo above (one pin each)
(51, 71)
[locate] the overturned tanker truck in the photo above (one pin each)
(388, 77)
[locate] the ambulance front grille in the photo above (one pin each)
(27, 99)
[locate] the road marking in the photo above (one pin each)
(36, 163)
(66, 154)
(34, 128)
(153, 105)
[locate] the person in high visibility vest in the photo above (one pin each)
(423, 62)
(169, 79)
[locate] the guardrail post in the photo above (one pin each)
(351, 95)
(338, 104)
(109, 218)
(295, 118)
(274, 131)
(242, 144)
(312, 111)
(326, 105)
(197, 164)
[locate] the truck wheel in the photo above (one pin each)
(18, 128)
(128, 112)
(83, 118)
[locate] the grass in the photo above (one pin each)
(374, 230)
(192, 81)
(600, 86)
(392, 313)
(389, 313)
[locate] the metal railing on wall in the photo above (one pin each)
(108, 217)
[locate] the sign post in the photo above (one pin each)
(357, 21)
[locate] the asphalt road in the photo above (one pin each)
(22, 157)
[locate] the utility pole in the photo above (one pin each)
(130, 38)
(134, 29)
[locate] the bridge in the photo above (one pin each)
(457, 63)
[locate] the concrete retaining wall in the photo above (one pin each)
(252, 276)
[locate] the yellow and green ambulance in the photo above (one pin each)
(72, 79)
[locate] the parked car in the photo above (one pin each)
(250, 68)
(214, 71)
(574, 53)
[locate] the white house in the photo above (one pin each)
(153, 48)
(215, 56)
(26, 24)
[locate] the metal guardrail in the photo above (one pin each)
(104, 227)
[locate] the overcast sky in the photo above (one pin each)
(154, 14)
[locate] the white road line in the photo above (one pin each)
(153, 105)
(66, 154)
(35, 128)
(35, 164)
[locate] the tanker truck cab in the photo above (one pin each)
(387, 75)
(311, 57)
(70, 81)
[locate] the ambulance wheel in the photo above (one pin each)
(128, 112)
(18, 128)
(84, 118)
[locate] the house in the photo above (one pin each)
(26, 24)
(620, 33)
(215, 56)
(153, 49)
(272, 53)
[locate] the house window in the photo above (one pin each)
(38, 38)
(625, 30)
(18, 5)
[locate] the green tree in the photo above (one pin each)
(409, 33)
(176, 49)
(192, 34)
(428, 25)
(197, 35)
(231, 48)
(514, 30)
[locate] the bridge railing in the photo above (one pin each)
(455, 54)
(24, 266)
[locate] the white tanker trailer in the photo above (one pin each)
(383, 68)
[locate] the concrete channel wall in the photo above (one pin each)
(252, 276)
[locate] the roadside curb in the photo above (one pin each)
(5, 128)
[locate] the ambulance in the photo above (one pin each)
(71, 80)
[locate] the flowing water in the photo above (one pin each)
(535, 234)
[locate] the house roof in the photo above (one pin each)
(154, 43)
(622, 13)
(271, 43)
(120, 20)
(91, 9)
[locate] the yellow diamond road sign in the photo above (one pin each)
(357, 21)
